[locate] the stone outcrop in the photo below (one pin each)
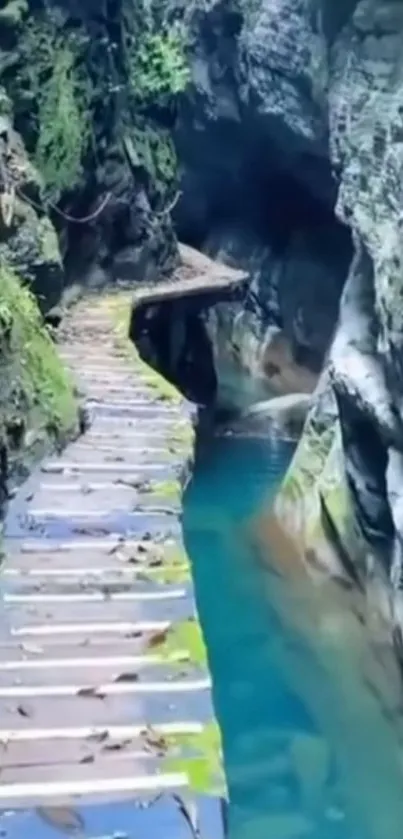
(169, 326)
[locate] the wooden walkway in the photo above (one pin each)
(106, 720)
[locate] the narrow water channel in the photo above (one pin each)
(283, 781)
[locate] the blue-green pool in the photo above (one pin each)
(287, 776)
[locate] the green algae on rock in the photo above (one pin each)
(185, 636)
(202, 761)
(119, 306)
(37, 403)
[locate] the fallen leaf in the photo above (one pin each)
(91, 531)
(155, 561)
(62, 818)
(98, 736)
(158, 638)
(142, 549)
(90, 693)
(24, 711)
(127, 677)
(154, 740)
(115, 549)
(87, 759)
(117, 746)
(133, 560)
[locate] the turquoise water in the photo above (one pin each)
(284, 774)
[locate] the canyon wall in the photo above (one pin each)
(291, 142)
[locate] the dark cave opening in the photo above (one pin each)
(286, 235)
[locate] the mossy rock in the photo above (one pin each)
(37, 403)
(31, 249)
(200, 757)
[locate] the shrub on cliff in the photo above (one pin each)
(157, 72)
(57, 92)
(77, 93)
(157, 67)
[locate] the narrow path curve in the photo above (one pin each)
(105, 699)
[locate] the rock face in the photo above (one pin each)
(258, 185)
(127, 240)
(28, 240)
(103, 168)
(291, 141)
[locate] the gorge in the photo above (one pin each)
(266, 137)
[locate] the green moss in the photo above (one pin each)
(187, 636)
(119, 307)
(169, 490)
(200, 757)
(48, 241)
(308, 463)
(158, 69)
(54, 83)
(176, 568)
(36, 393)
(182, 434)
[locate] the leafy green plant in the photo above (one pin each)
(63, 129)
(157, 66)
(154, 56)
(60, 99)
(35, 391)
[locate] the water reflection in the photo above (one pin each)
(307, 750)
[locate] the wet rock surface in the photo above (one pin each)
(290, 139)
(104, 686)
